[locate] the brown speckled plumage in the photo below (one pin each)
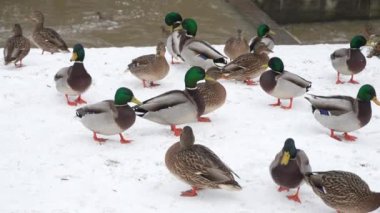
(197, 165)
(16, 47)
(343, 191)
(46, 38)
(236, 46)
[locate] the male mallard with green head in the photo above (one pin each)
(74, 80)
(248, 66)
(173, 20)
(264, 35)
(349, 61)
(282, 84)
(46, 38)
(176, 106)
(288, 168)
(16, 47)
(110, 117)
(198, 166)
(213, 93)
(236, 46)
(344, 113)
(343, 191)
(151, 67)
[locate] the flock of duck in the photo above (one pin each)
(196, 164)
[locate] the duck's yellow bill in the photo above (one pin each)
(376, 101)
(136, 101)
(285, 158)
(264, 66)
(272, 32)
(74, 57)
(208, 78)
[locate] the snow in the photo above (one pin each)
(49, 162)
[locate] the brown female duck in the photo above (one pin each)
(16, 47)
(236, 46)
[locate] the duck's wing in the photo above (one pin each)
(142, 61)
(10, 52)
(97, 108)
(204, 49)
(340, 53)
(295, 79)
(335, 105)
(51, 36)
(63, 72)
(163, 101)
(303, 162)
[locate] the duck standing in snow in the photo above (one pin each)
(349, 61)
(198, 166)
(236, 46)
(213, 93)
(282, 84)
(176, 107)
(288, 168)
(46, 38)
(344, 113)
(343, 191)
(74, 80)
(16, 47)
(264, 35)
(110, 117)
(151, 67)
(173, 20)
(197, 52)
(248, 66)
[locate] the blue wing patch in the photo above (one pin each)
(324, 112)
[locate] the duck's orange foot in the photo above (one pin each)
(352, 81)
(70, 103)
(348, 137)
(294, 198)
(123, 140)
(176, 131)
(250, 82)
(100, 140)
(79, 100)
(339, 82)
(334, 136)
(276, 104)
(204, 119)
(190, 193)
(282, 188)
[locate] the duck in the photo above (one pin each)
(264, 35)
(198, 166)
(344, 113)
(74, 80)
(349, 61)
(196, 52)
(110, 117)
(151, 67)
(45, 38)
(16, 47)
(173, 20)
(248, 66)
(288, 168)
(343, 191)
(282, 84)
(213, 93)
(236, 46)
(176, 106)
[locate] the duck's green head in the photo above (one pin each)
(289, 151)
(368, 93)
(190, 25)
(358, 41)
(124, 95)
(187, 137)
(173, 19)
(276, 64)
(263, 30)
(78, 53)
(193, 75)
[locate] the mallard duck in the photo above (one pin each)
(152, 67)
(282, 84)
(173, 20)
(343, 191)
(198, 166)
(176, 106)
(197, 52)
(110, 117)
(349, 61)
(46, 38)
(288, 168)
(264, 35)
(248, 66)
(74, 80)
(213, 92)
(236, 46)
(16, 47)
(344, 113)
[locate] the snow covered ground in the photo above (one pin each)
(49, 162)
